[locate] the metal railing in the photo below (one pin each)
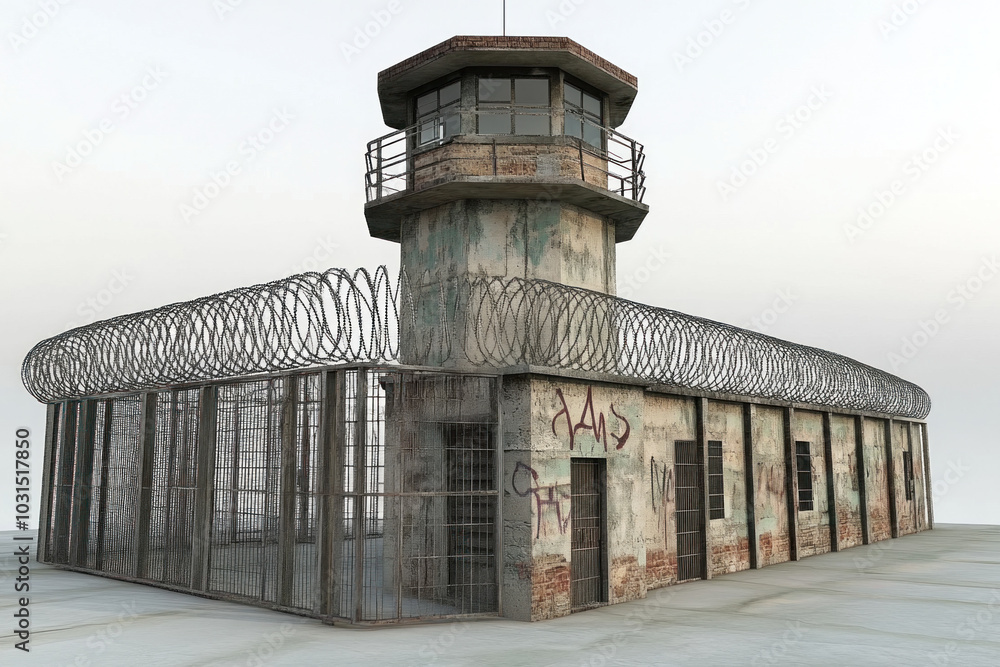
(393, 165)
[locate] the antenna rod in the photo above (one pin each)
(504, 18)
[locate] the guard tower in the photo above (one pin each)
(506, 163)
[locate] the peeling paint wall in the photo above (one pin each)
(549, 422)
(845, 480)
(814, 525)
(772, 498)
(667, 419)
(877, 480)
(543, 239)
(728, 538)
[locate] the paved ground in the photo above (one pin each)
(928, 599)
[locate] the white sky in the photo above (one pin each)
(223, 78)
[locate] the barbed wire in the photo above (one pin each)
(471, 322)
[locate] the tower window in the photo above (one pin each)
(437, 114)
(803, 465)
(716, 491)
(583, 118)
(514, 105)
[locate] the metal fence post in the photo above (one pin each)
(204, 496)
(792, 483)
(83, 482)
(749, 416)
(52, 414)
(147, 442)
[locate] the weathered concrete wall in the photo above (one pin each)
(845, 480)
(566, 420)
(542, 239)
(728, 538)
(634, 431)
(877, 480)
(814, 525)
(771, 508)
(667, 419)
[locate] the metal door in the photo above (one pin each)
(588, 583)
(689, 512)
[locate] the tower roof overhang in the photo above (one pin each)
(397, 82)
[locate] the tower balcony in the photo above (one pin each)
(512, 153)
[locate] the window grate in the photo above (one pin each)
(803, 464)
(716, 490)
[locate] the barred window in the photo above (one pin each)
(716, 492)
(803, 463)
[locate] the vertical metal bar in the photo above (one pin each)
(701, 409)
(360, 454)
(337, 422)
(494, 157)
(583, 173)
(147, 441)
(831, 491)
(287, 491)
(859, 438)
(48, 476)
(928, 487)
(498, 527)
(749, 472)
(234, 469)
(170, 535)
(83, 482)
(102, 511)
(325, 487)
(635, 169)
(204, 503)
(791, 484)
(64, 477)
(890, 473)
(379, 173)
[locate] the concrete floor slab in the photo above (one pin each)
(926, 599)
